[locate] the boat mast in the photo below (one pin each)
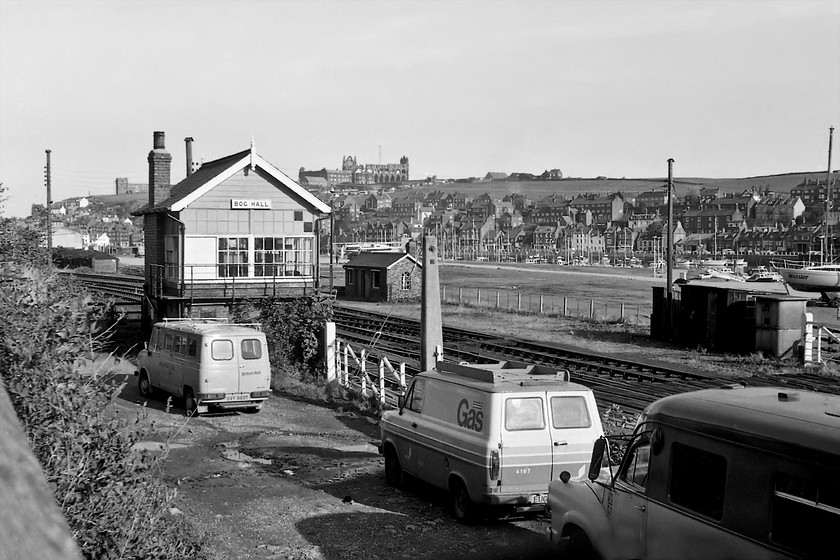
(828, 240)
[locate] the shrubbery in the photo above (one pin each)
(293, 331)
(112, 496)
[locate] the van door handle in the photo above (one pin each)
(414, 424)
(640, 508)
(559, 443)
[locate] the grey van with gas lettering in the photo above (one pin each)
(491, 435)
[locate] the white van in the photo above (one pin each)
(208, 362)
(718, 473)
(492, 435)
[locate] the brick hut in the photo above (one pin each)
(383, 277)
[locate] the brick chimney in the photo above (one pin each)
(188, 140)
(160, 163)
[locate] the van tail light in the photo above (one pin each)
(495, 464)
(210, 396)
(260, 394)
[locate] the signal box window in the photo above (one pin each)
(405, 281)
(698, 480)
(233, 257)
(375, 278)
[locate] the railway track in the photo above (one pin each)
(630, 385)
(125, 288)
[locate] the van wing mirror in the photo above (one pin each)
(401, 402)
(598, 451)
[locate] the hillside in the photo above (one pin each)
(575, 186)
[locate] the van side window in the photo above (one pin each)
(178, 348)
(638, 459)
(153, 342)
(414, 402)
(167, 341)
(192, 347)
(805, 513)
(524, 414)
(698, 480)
(570, 412)
(221, 350)
(251, 349)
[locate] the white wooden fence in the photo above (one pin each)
(820, 341)
(358, 367)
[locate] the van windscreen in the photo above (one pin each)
(222, 350)
(524, 413)
(251, 349)
(570, 412)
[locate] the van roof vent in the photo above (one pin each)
(788, 397)
(511, 371)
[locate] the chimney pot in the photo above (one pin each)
(159, 141)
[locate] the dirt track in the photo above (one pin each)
(304, 481)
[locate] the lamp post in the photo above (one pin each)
(669, 280)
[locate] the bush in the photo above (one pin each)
(293, 330)
(112, 496)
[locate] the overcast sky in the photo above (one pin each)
(727, 89)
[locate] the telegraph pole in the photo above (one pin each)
(669, 265)
(829, 241)
(48, 175)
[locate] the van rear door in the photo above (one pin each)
(223, 367)
(574, 426)
(254, 371)
(526, 454)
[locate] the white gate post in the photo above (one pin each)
(808, 337)
(330, 350)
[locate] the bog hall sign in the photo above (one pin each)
(239, 204)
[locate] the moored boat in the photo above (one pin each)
(807, 277)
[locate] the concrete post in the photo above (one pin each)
(430, 318)
(330, 351)
(808, 338)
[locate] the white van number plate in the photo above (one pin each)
(237, 396)
(539, 498)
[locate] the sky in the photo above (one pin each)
(726, 88)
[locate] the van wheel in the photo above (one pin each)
(393, 469)
(190, 403)
(145, 386)
(463, 507)
(575, 545)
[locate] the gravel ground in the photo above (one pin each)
(303, 480)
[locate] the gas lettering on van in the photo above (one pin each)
(471, 418)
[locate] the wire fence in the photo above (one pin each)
(513, 301)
